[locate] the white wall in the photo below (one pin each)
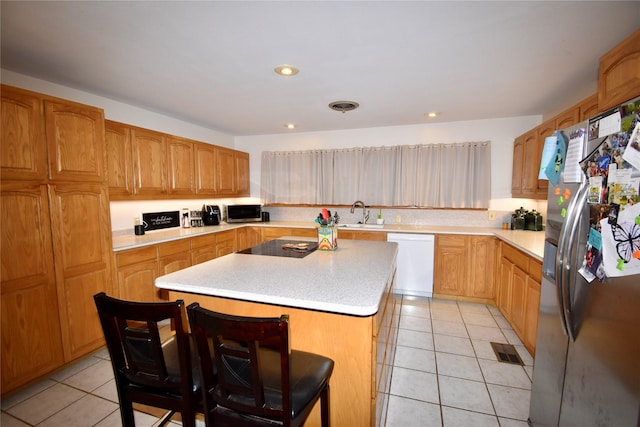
(121, 112)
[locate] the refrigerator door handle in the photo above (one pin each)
(569, 254)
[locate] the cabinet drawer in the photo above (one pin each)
(175, 247)
(515, 256)
(134, 256)
(535, 270)
(203, 241)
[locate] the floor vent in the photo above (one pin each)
(506, 353)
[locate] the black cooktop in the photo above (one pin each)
(281, 247)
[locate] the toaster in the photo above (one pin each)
(211, 214)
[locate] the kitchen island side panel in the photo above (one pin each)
(345, 339)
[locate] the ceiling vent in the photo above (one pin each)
(344, 106)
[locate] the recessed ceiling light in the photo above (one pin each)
(432, 114)
(286, 70)
(290, 125)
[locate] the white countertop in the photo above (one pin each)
(350, 280)
(531, 242)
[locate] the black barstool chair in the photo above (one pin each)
(250, 376)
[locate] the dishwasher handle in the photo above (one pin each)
(395, 237)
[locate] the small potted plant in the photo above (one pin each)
(380, 220)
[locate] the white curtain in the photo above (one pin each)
(434, 175)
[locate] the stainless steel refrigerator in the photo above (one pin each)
(587, 361)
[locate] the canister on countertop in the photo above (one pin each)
(533, 221)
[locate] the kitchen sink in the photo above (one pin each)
(361, 225)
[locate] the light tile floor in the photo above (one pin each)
(445, 374)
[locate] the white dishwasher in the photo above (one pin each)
(415, 263)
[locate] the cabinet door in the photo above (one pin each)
(532, 309)
(546, 129)
(22, 148)
(619, 73)
(242, 173)
(518, 298)
(504, 288)
(119, 160)
(181, 166)
(226, 171)
(205, 169)
(567, 118)
(136, 281)
(225, 243)
(248, 237)
(81, 233)
(450, 270)
(75, 141)
(149, 162)
(517, 174)
(481, 256)
(588, 107)
(172, 256)
(530, 164)
(30, 327)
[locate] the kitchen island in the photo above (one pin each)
(340, 304)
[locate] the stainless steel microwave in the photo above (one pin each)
(244, 213)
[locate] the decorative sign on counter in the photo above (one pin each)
(327, 238)
(159, 220)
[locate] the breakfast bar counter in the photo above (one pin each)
(340, 304)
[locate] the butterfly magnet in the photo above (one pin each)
(621, 243)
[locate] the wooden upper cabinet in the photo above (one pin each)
(242, 174)
(588, 107)
(180, 164)
(530, 164)
(226, 171)
(145, 164)
(119, 159)
(567, 118)
(619, 73)
(518, 166)
(205, 171)
(23, 152)
(30, 327)
(149, 162)
(75, 141)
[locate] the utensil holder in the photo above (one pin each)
(327, 238)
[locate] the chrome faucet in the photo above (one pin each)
(365, 213)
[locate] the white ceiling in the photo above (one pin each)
(211, 63)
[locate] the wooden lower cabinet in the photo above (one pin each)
(519, 292)
(464, 267)
(172, 256)
(226, 243)
(248, 237)
(137, 271)
(203, 248)
(53, 261)
(30, 334)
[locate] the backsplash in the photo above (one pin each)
(123, 213)
(445, 217)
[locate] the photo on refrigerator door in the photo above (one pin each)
(592, 264)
